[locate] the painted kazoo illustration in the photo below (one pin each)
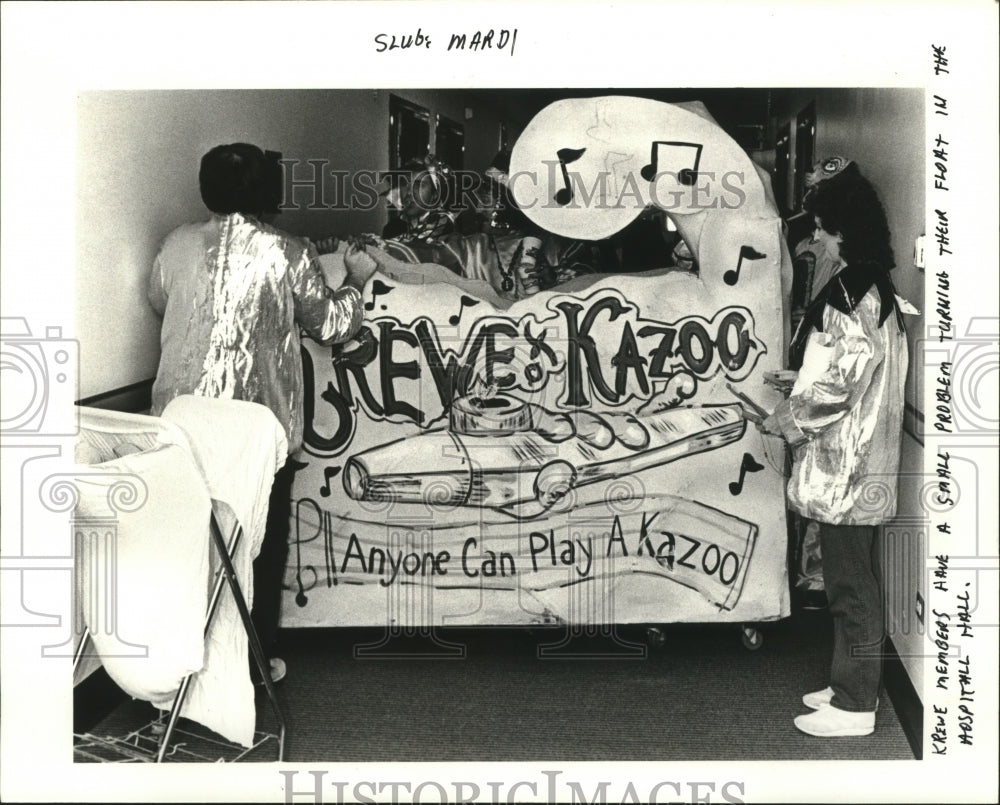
(504, 453)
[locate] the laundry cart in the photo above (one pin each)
(169, 513)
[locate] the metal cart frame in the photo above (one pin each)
(139, 746)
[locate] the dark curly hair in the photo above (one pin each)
(847, 205)
(232, 179)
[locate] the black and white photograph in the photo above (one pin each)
(426, 402)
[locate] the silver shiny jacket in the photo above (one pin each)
(843, 420)
(233, 292)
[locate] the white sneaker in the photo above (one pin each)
(278, 669)
(816, 700)
(831, 722)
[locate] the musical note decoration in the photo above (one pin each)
(686, 176)
(567, 156)
(328, 473)
(301, 599)
(731, 277)
(379, 288)
(749, 464)
(464, 302)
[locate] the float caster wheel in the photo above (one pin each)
(752, 638)
(655, 637)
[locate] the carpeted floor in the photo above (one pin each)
(516, 695)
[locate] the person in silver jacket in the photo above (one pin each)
(233, 292)
(843, 423)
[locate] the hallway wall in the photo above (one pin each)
(137, 178)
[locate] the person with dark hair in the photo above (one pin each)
(813, 268)
(843, 422)
(233, 292)
(821, 267)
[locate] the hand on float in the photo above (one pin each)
(360, 266)
(379, 255)
(770, 426)
(782, 380)
(327, 245)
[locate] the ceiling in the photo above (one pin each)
(742, 113)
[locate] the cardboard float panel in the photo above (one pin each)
(587, 167)
(578, 456)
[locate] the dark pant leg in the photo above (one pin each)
(269, 566)
(852, 577)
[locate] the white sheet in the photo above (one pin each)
(238, 447)
(202, 450)
(143, 565)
